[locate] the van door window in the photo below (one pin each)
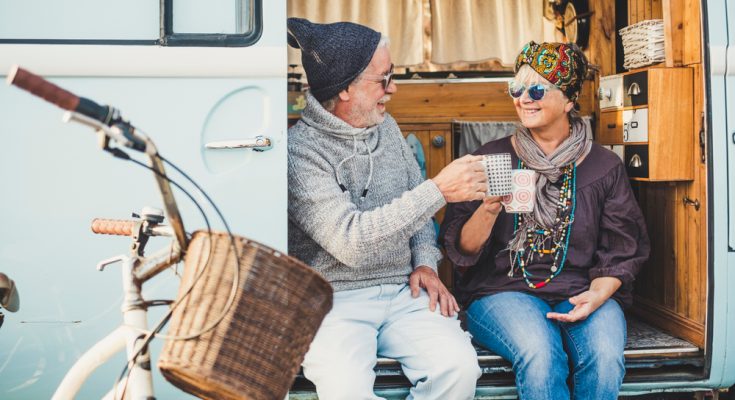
(212, 23)
(188, 16)
(215, 23)
(75, 21)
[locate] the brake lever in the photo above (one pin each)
(121, 132)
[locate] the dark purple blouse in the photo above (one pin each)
(608, 237)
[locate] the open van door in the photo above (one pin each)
(721, 15)
(720, 31)
(198, 77)
(723, 99)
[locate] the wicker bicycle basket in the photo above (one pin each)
(256, 349)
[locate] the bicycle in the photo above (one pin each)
(137, 268)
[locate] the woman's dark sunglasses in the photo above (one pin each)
(384, 79)
(536, 91)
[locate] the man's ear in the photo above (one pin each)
(569, 106)
(345, 95)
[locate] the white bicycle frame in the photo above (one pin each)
(130, 335)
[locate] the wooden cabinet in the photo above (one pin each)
(654, 122)
(436, 141)
(436, 144)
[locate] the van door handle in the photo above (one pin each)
(258, 143)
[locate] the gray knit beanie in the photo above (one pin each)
(333, 55)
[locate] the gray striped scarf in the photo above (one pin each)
(549, 169)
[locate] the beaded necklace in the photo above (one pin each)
(557, 237)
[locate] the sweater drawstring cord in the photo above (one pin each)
(336, 170)
(370, 174)
(353, 155)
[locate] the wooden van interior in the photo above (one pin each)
(667, 328)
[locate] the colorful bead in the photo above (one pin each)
(559, 234)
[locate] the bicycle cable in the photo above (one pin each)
(236, 278)
(118, 153)
(149, 335)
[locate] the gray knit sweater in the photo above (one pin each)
(357, 242)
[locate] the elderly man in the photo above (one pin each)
(360, 214)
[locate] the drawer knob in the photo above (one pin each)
(604, 93)
(634, 89)
(635, 161)
(611, 126)
(689, 202)
(438, 141)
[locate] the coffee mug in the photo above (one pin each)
(522, 197)
(498, 170)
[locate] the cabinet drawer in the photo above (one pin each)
(610, 92)
(637, 162)
(611, 127)
(654, 123)
(636, 89)
(635, 125)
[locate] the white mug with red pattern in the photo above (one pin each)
(522, 196)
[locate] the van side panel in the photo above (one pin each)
(56, 179)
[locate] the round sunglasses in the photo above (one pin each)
(384, 79)
(536, 91)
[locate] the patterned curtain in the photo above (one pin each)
(400, 20)
(473, 134)
(437, 34)
(480, 30)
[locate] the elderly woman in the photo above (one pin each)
(545, 290)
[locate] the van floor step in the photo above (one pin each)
(647, 347)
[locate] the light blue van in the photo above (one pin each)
(197, 73)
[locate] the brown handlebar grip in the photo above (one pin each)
(120, 227)
(42, 88)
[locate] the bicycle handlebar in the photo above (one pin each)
(63, 98)
(120, 227)
(125, 227)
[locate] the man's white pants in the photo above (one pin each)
(435, 353)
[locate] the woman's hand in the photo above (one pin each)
(584, 304)
(492, 205)
(587, 302)
(476, 230)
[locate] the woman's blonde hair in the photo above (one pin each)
(527, 75)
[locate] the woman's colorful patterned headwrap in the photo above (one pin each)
(562, 64)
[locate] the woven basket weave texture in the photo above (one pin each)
(256, 350)
(643, 43)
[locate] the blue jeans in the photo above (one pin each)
(435, 353)
(542, 351)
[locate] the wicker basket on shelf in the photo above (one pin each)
(256, 349)
(643, 43)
